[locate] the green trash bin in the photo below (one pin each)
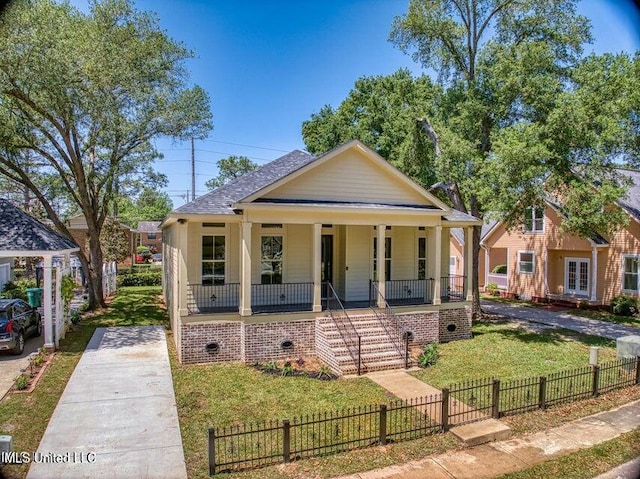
(34, 297)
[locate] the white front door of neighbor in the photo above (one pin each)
(452, 266)
(577, 273)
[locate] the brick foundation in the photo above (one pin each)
(251, 342)
(455, 324)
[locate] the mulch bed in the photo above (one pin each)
(301, 367)
(34, 372)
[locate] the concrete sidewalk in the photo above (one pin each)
(494, 459)
(559, 319)
(117, 416)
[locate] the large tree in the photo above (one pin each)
(86, 94)
(229, 169)
(519, 113)
(149, 205)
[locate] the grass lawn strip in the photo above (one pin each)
(25, 416)
(504, 351)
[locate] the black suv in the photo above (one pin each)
(18, 321)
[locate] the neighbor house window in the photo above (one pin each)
(271, 257)
(525, 262)
(213, 260)
(151, 236)
(422, 258)
(630, 274)
(534, 220)
(387, 259)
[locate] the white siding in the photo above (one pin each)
(358, 262)
(298, 254)
(350, 177)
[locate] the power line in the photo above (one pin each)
(246, 146)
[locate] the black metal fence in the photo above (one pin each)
(284, 297)
(452, 288)
(271, 442)
(209, 298)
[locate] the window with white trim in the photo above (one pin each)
(630, 273)
(387, 258)
(526, 262)
(534, 220)
(422, 258)
(213, 260)
(271, 252)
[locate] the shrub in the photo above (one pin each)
(492, 289)
(22, 382)
(18, 289)
(624, 305)
(428, 356)
(140, 278)
(500, 269)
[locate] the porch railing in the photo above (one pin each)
(280, 298)
(500, 279)
(347, 330)
(390, 323)
(399, 292)
(453, 288)
(209, 298)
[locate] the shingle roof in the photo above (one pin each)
(631, 202)
(219, 201)
(458, 233)
(21, 232)
(148, 226)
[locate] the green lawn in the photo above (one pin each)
(25, 416)
(501, 350)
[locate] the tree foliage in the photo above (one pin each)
(229, 169)
(515, 112)
(149, 205)
(86, 94)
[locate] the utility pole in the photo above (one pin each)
(193, 172)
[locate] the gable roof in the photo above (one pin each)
(631, 202)
(22, 233)
(149, 226)
(487, 226)
(219, 201)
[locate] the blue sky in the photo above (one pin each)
(268, 65)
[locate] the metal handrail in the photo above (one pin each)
(347, 330)
(392, 319)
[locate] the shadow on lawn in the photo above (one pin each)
(549, 336)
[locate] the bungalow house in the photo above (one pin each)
(339, 256)
(543, 263)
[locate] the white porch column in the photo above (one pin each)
(381, 265)
(317, 266)
(58, 319)
(245, 272)
(594, 273)
(47, 307)
(468, 261)
(486, 266)
(183, 276)
(437, 270)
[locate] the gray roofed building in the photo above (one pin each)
(219, 201)
(631, 202)
(22, 232)
(149, 226)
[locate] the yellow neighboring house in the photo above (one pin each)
(285, 262)
(543, 263)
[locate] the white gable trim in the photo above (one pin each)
(372, 155)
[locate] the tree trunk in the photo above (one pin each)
(94, 276)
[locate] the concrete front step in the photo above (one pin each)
(481, 432)
(373, 366)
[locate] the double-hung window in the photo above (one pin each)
(213, 260)
(534, 220)
(422, 258)
(387, 258)
(271, 260)
(526, 263)
(630, 273)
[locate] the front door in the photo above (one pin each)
(577, 276)
(326, 263)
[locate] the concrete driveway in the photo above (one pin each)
(10, 366)
(560, 319)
